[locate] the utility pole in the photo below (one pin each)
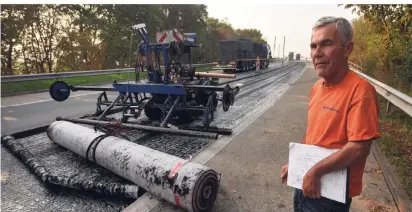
(279, 51)
(274, 48)
(284, 38)
(130, 47)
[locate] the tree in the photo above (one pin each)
(42, 35)
(384, 34)
(15, 18)
(253, 34)
(57, 38)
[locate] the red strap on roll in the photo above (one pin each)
(176, 168)
(173, 173)
(177, 200)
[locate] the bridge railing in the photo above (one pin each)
(395, 97)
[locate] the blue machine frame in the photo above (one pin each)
(163, 48)
(173, 89)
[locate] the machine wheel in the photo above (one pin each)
(209, 114)
(202, 97)
(152, 113)
(184, 117)
(215, 101)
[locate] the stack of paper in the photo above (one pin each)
(302, 157)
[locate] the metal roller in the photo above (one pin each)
(187, 185)
(144, 128)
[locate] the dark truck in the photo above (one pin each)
(291, 54)
(297, 56)
(241, 55)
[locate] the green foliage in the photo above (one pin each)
(383, 43)
(253, 34)
(58, 38)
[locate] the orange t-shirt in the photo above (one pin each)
(346, 112)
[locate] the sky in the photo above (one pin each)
(293, 21)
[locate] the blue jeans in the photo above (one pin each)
(306, 204)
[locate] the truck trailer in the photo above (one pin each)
(241, 55)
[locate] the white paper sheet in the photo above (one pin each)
(302, 157)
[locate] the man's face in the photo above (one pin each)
(327, 51)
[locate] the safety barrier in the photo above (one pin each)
(395, 97)
(29, 77)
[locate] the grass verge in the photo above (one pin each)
(396, 143)
(38, 85)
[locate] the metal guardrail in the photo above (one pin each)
(29, 77)
(395, 97)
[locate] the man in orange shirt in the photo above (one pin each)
(342, 113)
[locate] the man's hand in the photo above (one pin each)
(284, 173)
(311, 185)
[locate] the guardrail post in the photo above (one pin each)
(388, 107)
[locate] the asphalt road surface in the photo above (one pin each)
(22, 191)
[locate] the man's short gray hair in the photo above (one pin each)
(343, 26)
